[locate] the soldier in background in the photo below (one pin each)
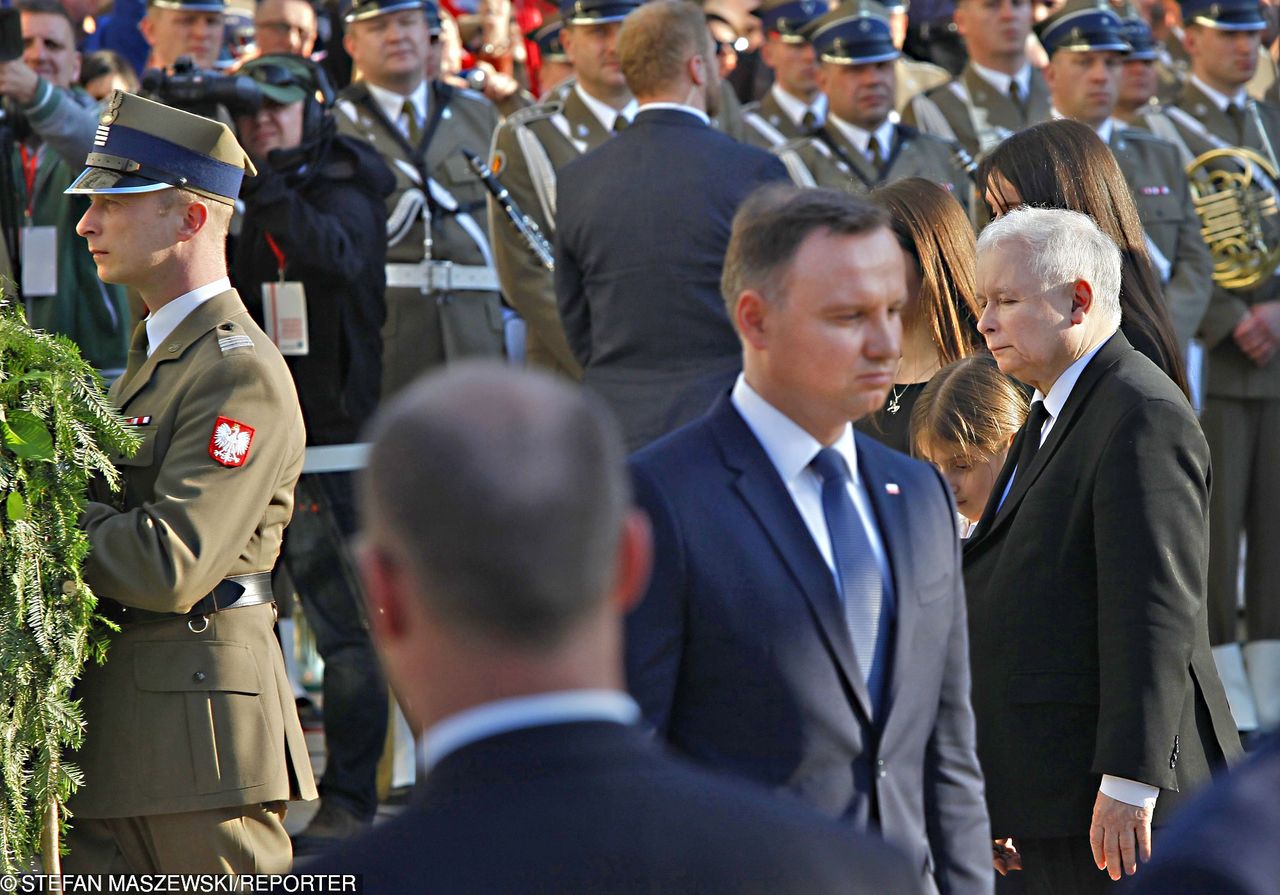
(913, 75)
(794, 106)
(443, 299)
(556, 66)
(860, 147)
(1241, 331)
(998, 92)
(174, 28)
(531, 147)
(1139, 73)
(1087, 48)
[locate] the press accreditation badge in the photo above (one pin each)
(39, 261)
(284, 307)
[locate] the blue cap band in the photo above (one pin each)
(163, 157)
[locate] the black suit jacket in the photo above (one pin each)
(593, 807)
(1087, 607)
(740, 657)
(642, 224)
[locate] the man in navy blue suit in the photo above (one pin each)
(500, 551)
(805, 623)
(641, 235)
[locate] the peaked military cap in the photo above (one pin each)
(853, 33)
(1225, 15)
(1083, 25)
(595, 12)
(788, 18)
(547, 38)
(190, 5)
(1138, 34)
(143, 146)
(368, 9)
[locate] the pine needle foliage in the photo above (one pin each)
(56, 431)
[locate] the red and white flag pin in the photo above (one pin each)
(892, 488)
(229, 444)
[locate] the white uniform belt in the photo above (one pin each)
(442, 276)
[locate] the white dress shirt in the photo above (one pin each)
(795, 109)
(861, 139)
(504, 715)
(1000, 81)
(606, 114)
(1121, 789)
(1221, 100)
(679, 107)
(392, 105)
(791, 449)
(162, 323)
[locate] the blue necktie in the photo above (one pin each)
(862, 590)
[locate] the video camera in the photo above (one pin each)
(202, 92)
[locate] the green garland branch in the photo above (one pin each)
(57, 430)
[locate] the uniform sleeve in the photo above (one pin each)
(526, 284)
(1191, 283)
(571, 299)
(169, 552)
(1150, 507)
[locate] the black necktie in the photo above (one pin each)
(1031, 437)
(809, 123)
(861, 587)
(1015, 94)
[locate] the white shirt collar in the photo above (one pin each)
(697, 113)
(1000, 81)
(795, 108)
(606, 114)
(1104, 130)
(504, 715)
(392, 103)
(861, 139)
(162, 323)
(790, 448)
(1060, 391)
(1221, 100)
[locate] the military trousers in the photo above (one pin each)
(239, 839)
(1244, 443)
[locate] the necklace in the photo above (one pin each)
(895, 398)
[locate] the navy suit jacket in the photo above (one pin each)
(593, 807)
(740, 658)
(642, 225)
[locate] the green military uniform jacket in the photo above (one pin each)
(972, 112)
(1153, 168)
(427, 328)
(830, 160)
(182, 719)
(767, 125)
(1230, 372)
(529, 149)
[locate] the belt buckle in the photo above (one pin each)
(442, 267)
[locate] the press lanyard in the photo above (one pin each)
(275, 250)
(30, 165)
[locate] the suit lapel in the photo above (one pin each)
(197, 323)
(895, 535)
(767, 497)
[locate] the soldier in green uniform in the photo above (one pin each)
(556, 67)
(998, 91)
(192, 742)
(1139, 74)
(1086, 46)
(913, 76)
(860, 147)
(443, 299)
(530, 147)
(1241, 331)
(794, 106)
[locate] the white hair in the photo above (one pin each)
(1062, 247)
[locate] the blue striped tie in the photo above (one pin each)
(861, 587)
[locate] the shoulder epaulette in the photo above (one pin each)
(536, 112)
(232, 338)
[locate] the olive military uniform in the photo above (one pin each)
(451, 307)
(970, 110)
(767, 124)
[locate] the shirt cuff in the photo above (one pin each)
(1131, 792)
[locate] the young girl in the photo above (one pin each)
(963, 423)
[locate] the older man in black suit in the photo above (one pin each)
(641, 236)
(1096, 696)
(537, 781)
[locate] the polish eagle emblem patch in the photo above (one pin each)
(230, 442)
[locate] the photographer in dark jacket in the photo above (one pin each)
(314, 238)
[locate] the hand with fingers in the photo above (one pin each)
(1120, 836)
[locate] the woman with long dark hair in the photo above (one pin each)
(939, 319)
(1064, 164)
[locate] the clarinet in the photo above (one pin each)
(524, 225)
